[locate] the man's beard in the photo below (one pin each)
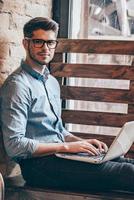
(35, 60)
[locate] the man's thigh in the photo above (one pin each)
(58, 172)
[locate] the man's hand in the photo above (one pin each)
(72, 144)
(91, 146)
(101, 146)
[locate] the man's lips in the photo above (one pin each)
(43, 54)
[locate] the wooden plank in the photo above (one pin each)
(2, 188)
(105, 138)
(92, 71)
(58, 57)
(131, 108)
(132, 85)
(96, 118)
(96, 46)
(97, 94)
(27, 193)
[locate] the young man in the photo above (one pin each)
(32, 126)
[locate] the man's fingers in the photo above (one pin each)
(91, 148)
(100, 145)
(105, 147)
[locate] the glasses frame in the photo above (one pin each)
(43, 42)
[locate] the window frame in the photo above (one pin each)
(61, 12)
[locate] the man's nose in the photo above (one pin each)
(45, 46)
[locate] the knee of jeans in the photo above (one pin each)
(127, 170)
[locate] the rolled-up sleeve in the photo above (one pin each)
(64, 131)
(15, 104)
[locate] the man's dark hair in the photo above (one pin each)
(46, 24)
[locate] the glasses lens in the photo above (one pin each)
(51, 44)
(38, 43)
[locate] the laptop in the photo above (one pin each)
(119, 147)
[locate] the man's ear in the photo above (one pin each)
(25, 43)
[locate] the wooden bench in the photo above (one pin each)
(106, 82)
(2, 188)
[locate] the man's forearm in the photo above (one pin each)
(50, 148)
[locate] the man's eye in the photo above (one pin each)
(51, 42)
(38, 41)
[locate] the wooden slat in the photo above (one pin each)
(58, 57)
(96, 118)
(92, 71)
(96, 46)
(131, 108)
(26, 193)
(105, 138)
(2, 188)
(97, 94)
(132, 85)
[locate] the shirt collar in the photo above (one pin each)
(43, 77)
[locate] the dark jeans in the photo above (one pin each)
(50, 171)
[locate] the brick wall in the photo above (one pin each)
(13, 15)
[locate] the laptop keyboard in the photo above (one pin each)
(96, 157)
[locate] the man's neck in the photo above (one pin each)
(39, 68)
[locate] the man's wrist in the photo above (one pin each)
(63, 148)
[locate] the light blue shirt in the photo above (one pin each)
(30, 112)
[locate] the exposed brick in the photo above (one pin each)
(13, 15)
(4, 37)
(11, 36)
(15, 6)
(35, 10)
(8, 66)
(4, 51)
(16, 51)
(4, 70)
(4, 66)
(4, 21)
(17, 21)
(1, 4)
(13, 63)
(45, 3)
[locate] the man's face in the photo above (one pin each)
(38, 53)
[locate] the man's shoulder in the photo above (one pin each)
(15, 84)
(18, 76)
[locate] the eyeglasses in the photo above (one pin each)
(39, 43)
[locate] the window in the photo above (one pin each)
(102, 18)
(107, 19)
